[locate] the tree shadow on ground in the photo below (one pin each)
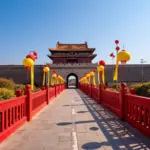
(118, 133)
(82, 112)
(94, 145)
(77, 122)
(94, 128)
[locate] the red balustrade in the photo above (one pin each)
(111, 100)
(38, 101)
(137, 112)
(16, 111)
(129, 107)
(95, 93)
(12, 115)
(51, 93)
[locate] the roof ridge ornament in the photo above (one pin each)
(57, 44)
(86, 44)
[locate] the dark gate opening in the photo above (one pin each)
(72, 81)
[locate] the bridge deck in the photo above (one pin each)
(73, 121)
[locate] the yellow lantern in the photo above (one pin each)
(92, 74)
(100, 68)
(54, 75)
(46, 69)
(28, 62)
(87, 76)
(45, 72)
(123, 56)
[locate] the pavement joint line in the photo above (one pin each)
(74, 134)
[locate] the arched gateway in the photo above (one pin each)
(72, 60)
(72, 80)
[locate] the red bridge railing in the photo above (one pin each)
(131, 108)
(16, 111)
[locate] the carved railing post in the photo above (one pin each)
(100, 93)
(122, 104)
(29, 102)
(47, 94)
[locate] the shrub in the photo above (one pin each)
(116, 86)
(142, 89)
(19, 86)
(6, 94)
(36, 90)
(148, 92)
(5, 83)
(112, 89)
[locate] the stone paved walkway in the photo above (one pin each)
(73, 121)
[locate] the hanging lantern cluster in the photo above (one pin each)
(112, 55)
(117, 47)
(83, 80)
(56, 79)
(46, 74)
(28, 62)
(86, 79)
(122, 57)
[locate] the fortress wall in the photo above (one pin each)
(130, 73)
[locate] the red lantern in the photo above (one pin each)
(31, 56)
(34, 53)
(111, 55)
(27, 86)
(43, 66)
(28, 68)
(117, 41)
(102, 62)
(117, 48)
(95, 70)
(54, 71)
(18, 92)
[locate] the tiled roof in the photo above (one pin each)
(71, 47)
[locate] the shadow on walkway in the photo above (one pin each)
(117, 132)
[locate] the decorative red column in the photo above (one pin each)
(122, 104)
(29, 102)
(47, 94)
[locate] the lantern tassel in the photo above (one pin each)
(103, 77)
(43, 79)
(32, 78)
(116, 71)
(48, 78)
(98, 78)
(52, 82)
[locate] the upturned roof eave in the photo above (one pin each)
(64, 50)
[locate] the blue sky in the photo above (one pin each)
(38, 24)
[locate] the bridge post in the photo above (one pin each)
(91, 90)
(47, 94)
(29, 102)
(99, 93)
(55, 90)
(122, 104)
